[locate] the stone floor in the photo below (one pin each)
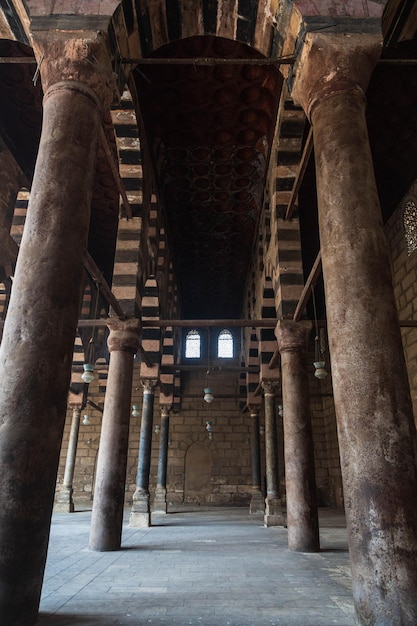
(210, 567)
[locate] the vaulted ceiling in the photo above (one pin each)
(210, 128)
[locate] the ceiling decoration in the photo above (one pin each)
(210, 130)
(20, 105)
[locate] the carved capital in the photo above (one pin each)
(76, 407)
(333, 63)
(124, 335)
(292, 336)
(164, 412)
(270, 387)
(76, 58)
(149, 385)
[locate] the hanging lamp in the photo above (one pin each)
(319, 362)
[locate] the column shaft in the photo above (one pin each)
(257, 504)
(273, 511)
(300, 480)
(160, 501)
(109, 489)
(372, 399)
(65, 502)
(163, 450)
(271, 447)
(37, 346)
(140, 514)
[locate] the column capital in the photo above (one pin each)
(164, 411)
(334, 63)
(149, 385)
(124, 335)
(254, 412)
(270, 387)
(75, 406)
(80, 58)
(292, 336)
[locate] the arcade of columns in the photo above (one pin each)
(373, 407)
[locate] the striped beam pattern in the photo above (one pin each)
(289, 278)
(131, 251)
(268, 342)
(252, 379)
(151, 336)
(166, 396)
(285, 245)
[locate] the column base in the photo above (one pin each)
(160, 501)
(140, 515)
(65, 503)
(274, 515)
(257, 503)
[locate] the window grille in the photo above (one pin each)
(410, 225)
(193, 345)
(225, 345)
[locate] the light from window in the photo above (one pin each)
(410, 225)
(225, 345)
(193, 345)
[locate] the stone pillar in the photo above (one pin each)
(300, 479)
(373, 408)
(65, 503)
(273, 511)
(140, 515)
(257, 503)
(160, 501)
(37, 347)
(109, 489)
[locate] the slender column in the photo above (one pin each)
(65, 503)
(273, 511)
(373, 408)
(37, 347)
(257, 504)
(300, 479)
(140, 515)
(109, 489)
(160, 501)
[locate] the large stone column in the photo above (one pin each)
(37, 347)
(140, 515)
(300, 479)
(109, 489)
(257, 503)
(160, 501)
(273, 510)
(65, 503)
(372, 399)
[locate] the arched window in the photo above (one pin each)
(225, 345)
(193, 345)
(410, 225)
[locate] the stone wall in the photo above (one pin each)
(220, 467)
(404, 271)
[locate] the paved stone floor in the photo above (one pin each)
(210, 567)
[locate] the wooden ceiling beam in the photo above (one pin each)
(105, 290)
(284, 60)
(306, 293)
